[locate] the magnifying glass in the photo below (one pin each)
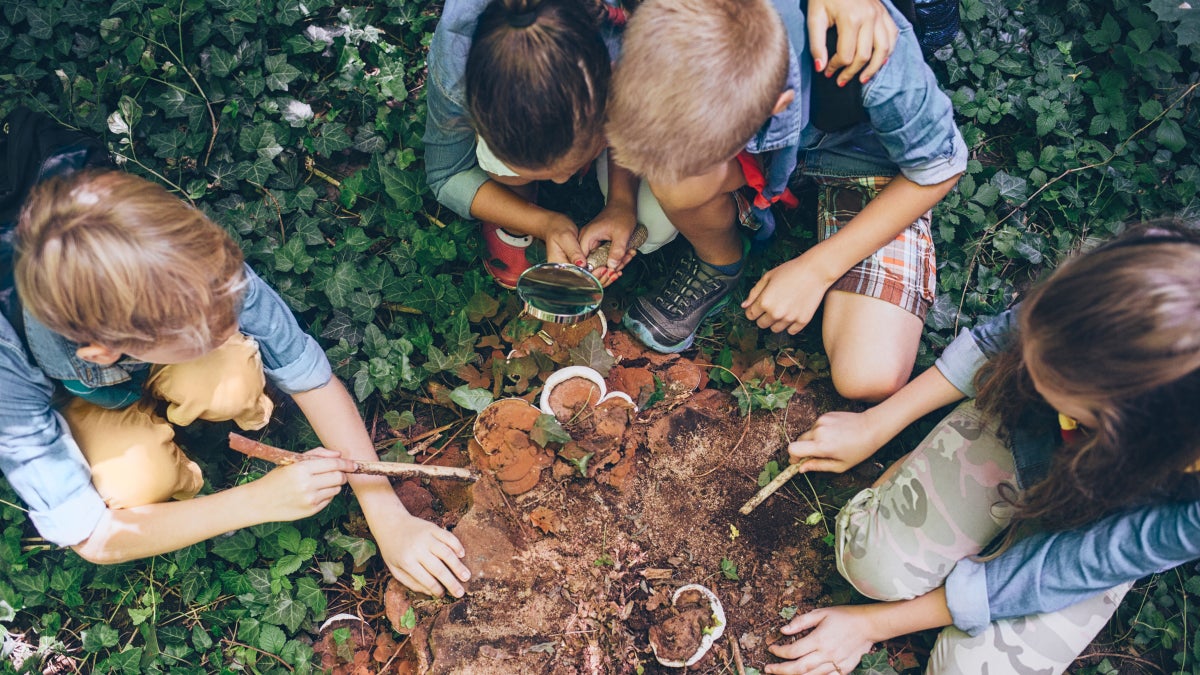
(559, 293)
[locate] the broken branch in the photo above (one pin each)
(770, 488)
(283, 457)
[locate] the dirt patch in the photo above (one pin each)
(571, 576)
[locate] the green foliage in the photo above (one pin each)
(729, 569)
(756, 395)
(769, 472)
(547, 430)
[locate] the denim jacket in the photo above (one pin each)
(1049, 571)
(39, 457)
(450, 165)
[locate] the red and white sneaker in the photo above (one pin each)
(505, 255)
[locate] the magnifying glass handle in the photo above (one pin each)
(599, 257)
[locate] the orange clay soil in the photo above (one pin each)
(570, 576)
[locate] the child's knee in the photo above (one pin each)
(226, 384)
(133, 456)
(858, 383)
(870, 555)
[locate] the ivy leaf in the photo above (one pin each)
(333, 138)
(285, 610)
(309, 593)
(361, 549)
(100, 636)
(547, 430)
(256, 172)
(729, 569)
(875, 663)
(471, 399)
(592, 353)
(1170, 136)
(280, 72)
(220, 62)
(404, 187)
(237, 548)
(271, 639)
(1012, 188)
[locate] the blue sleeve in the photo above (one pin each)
(38, 455)
(292, 359)
(964, 356)
(1049, 571)
(451, 169)
(912, 117)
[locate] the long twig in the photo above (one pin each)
(770, 488)
(282, 457)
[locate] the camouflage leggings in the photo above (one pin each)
(941, 503)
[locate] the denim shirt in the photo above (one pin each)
(1049, 571)
(38, 455)
(451, 169)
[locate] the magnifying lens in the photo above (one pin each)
(559, 293)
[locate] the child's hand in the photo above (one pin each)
(837, 442)
(787, 297)
(302, 489)
(839, 638)
(866, 37)
(424, 557)
(615, 224)
(562, 241)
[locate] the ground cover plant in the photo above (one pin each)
(297, 125)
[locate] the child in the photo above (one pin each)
(127, 297)
(517, 94)
(706, 89)
(1085, 423)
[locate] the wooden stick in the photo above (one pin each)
(283, 457)
(770, 488)
(738, 664)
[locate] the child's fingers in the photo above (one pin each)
(862, 54)
(818, 24)
(440, 568)
(452, 541)
(323, 452)
(408, 580)
(803, 622)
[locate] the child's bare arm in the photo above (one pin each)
(496, 203)
(419, 554)
(787, 297)
(866, 36)
(286, 493)
(838, 441)
(840, 636)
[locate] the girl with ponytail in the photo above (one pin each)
(516, 94)
(1027, 513)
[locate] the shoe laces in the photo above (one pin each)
(693, 281)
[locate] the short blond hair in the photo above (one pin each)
(695, 81)
(112, 259)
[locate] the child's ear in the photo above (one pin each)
(97, 354)
(785, 99)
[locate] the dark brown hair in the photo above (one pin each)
(537, 79)
(1117, 329)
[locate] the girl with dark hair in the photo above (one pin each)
(1073, 470)
(517, 94)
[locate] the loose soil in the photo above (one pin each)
(570, 576)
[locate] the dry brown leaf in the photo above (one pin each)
(395, 605)
(546, 520)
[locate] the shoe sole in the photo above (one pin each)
(642, 332)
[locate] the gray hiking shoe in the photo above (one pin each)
(667, 321)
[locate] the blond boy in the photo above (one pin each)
(126, 298)
(706, 89)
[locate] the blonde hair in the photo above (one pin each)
(695, 82)
(113, 259)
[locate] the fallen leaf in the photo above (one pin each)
(592, 353)
(546, 520)
(396, 605)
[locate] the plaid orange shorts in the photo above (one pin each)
(904, 271)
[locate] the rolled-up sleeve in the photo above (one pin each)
(292, 359)
(451, 168)
(1047, 572)
(912, 117)
(966, 354)
(39, 457)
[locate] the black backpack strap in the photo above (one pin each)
(34, 147)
